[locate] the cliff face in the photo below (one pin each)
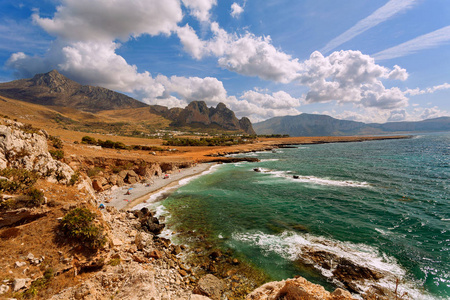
(198, 113)
(28, 150)
(52, 88)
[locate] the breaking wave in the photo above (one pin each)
(299, 247)
(315, 180)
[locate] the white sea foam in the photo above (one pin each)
(158, 195)
(269, 159)
(318, 180)
(292, 246)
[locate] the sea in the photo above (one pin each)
(383, 204)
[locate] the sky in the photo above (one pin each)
(361, 60)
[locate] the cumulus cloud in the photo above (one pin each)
(89, 56)
(433, 112)
(200, 8)
(387, 11)
(236, 10)
(426, 41)
(417, 91)
(83, 20)
(397, 115)
(191, 42)
(350, 76)
(248, 55)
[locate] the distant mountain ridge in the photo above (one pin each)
(323, 125)
(54, 89)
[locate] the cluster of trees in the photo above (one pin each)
(215, 141)
(105, 144)
(118, 145)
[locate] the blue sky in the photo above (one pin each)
(364, 60)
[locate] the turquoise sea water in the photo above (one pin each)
(384, 204)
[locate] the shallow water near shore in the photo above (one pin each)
(384, 204)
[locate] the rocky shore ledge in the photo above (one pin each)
(140, 265)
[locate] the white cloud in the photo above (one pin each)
(191, 42)
(426, 41)
(200, 8)
(397, 115)
(417, 91)
(350, 76)
(236, 10)
(433, 112)
(247, 55)
(105, 20)
(256, 56)
(387, 11)
(398, 74)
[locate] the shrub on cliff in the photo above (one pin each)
(57, 154)
(79, 224)
(19, 180)
(56, 142)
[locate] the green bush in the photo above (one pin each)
(74, 178)
(88, 140)
(57, 154)
(20, 180)
(79, 225)
(36, 197)
(94, 171)
(56, 142)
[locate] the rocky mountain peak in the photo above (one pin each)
(197, 112)
(55, 89)
(55, 81)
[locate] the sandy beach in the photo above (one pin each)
(141, 192)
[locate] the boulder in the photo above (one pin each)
(20, 283)
(298, 288)
(210, 286)
(122, 174)
(3, 289)
(198, 297)
(96, 184)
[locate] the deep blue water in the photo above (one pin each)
(384, 204)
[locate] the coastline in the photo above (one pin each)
(140, 192)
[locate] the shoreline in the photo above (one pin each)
(140, 192)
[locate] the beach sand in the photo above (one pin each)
(140, 192)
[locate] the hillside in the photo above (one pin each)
(73, 106)
(54, 89)
(322, 125)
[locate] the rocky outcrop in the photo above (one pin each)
(210, 286)
(197, 113)
(298, 288)
(26, 149)
(52, 88)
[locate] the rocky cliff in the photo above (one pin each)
(197, 113)
(21, 147)
(55, 89)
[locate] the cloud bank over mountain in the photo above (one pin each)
(90, 34)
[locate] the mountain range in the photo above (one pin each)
(323, 125)
(54, 90)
